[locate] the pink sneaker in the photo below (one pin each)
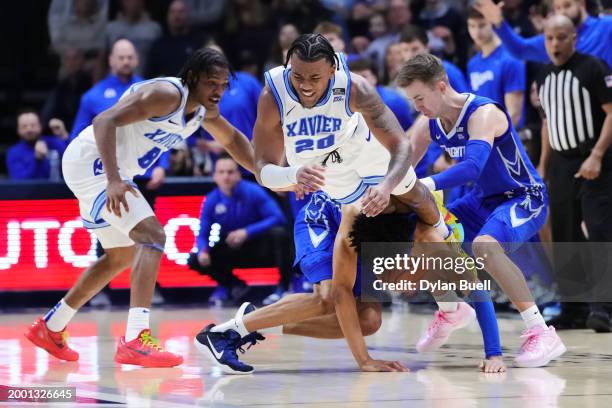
(540, 346)
(443, 325)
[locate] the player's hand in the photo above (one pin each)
(236, 238)
(41, 150)
(115, 196)
(58, 128)
(375, 200)
(492, 12)
(203, 258)
(493, 364)
(372, 365)
(311, 178)
(590, 168)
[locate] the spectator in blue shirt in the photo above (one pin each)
(240, 226)
(392, 99)
(123, 61)
(35, 156)
(593, 33)
(414, 41)
(493, 72)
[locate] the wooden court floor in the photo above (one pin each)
(300, 372)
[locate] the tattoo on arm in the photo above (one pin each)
(422, 202)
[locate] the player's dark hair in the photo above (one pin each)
(412, 33)
(311, 48)
(426, 68)
(393, 227)
(204, 60)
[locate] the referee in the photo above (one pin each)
(576, 96)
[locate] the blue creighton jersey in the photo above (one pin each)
(321, 218)
(508, 169)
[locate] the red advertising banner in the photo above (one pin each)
(43, 245)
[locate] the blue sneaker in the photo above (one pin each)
(221, 348)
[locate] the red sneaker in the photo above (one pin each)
(145, 351)
(56, 343)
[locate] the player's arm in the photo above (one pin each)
(269, 144)
(384, 126)
(149, 101)
(484, 125)
(419, 138)
(514, 105)
(343, 279)
(591, 167)
(232, 140)
(546, 149)
(529, 49)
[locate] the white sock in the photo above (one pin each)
(138, 320)
(532, 317)
(448, 301)
(441, 228)
(58, 317)
(233, 324)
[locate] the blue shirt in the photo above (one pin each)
(239, 102)
(496, 75)
(593, 38)
(398, 106)
(507, 169)
(99, 98)
(249, 207)
(455, 77)
(22, 163)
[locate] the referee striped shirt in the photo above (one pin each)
(572, 96)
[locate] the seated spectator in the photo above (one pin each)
(286, 35)
(35, 156)
(241, 226)
(172, 49)
(78, 24)
(123, 61)
(392, 99)
(63, 101)
(398, 15)
(133, 23)
(206, 15)
(333, 33)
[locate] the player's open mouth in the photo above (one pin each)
(214, 100)
(308, 94)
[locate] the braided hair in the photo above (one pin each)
(311, 48)
(204, 60)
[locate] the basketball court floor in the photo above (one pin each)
(301, 372)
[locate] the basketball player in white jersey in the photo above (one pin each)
(98, 166)
(318, 116)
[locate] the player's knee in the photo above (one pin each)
(370, 321)
(486, 247)
(149, 232)
(326, 302)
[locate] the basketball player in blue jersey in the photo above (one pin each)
(99, 165)
(508, 204)
(312, 314)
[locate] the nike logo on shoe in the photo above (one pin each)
(142, 352)
(218, 355)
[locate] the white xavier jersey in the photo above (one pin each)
(140, 144)
(313, 132)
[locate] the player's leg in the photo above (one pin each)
(49, 332)
(327, 327)
(509, 225)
